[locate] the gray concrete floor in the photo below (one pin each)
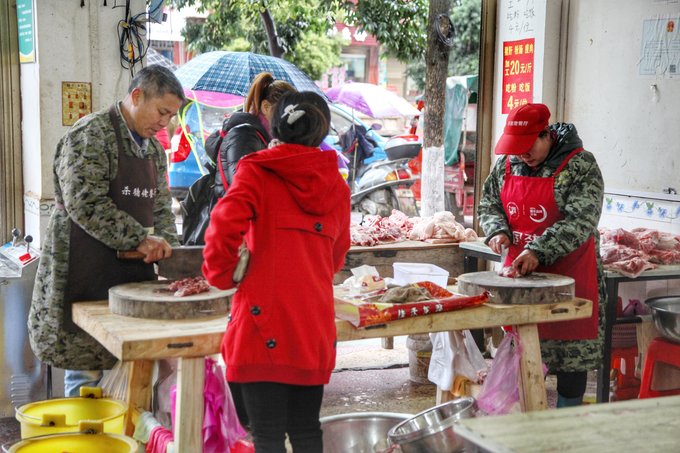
(9, 432)
(368, 378)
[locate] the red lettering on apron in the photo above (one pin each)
(529, 204)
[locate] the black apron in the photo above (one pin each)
(92, 266)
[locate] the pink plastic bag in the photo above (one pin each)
(500, 391)
(220, 422)
(222, 431)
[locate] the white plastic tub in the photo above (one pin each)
(405, 273)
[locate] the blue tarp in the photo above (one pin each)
(458, 91)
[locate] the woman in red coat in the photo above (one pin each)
(291, 206)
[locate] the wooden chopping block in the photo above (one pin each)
(152, 300)
(536, 288)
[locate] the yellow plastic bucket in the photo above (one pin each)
(63, 415)
(76, 443)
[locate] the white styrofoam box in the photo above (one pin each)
(405, 273)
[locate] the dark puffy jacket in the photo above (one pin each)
(357, 135)
(243, 133)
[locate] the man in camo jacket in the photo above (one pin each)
(110, 194)
(542, 201)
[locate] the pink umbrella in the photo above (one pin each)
(371, 100)
(213, 98)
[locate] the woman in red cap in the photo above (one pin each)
(542, 201)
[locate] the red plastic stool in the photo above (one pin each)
(659, 350)
(623, 361)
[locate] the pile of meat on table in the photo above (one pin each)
(442, 227)
(189, 286)
(640, 249)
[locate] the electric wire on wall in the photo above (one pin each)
(132, 38)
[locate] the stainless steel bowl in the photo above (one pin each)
(360, 432)
(666, 316)
(432, 431)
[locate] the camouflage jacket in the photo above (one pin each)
(86, 160)
(579, 192)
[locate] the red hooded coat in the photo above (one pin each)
(293, 207)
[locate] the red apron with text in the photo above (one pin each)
(529, 204)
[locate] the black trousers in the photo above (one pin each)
(237, 396)
(572, 384)
(275, 409)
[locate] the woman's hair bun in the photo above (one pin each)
(302, 118)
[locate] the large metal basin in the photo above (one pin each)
(360, 432)
(432, 431)
(666, 316)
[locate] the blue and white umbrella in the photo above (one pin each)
(233, 72)
(155, 57)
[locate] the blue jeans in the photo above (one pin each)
(74, 379)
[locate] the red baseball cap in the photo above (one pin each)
(522, 128)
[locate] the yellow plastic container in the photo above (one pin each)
(76, 443)
(63, 415)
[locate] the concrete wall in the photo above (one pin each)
(73, 44)
(587, 70)
(593, 74)
(630, 121)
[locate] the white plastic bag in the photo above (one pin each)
(364, 279)
(454, 354)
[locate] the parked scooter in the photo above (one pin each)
(384, 185)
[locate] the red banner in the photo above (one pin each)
(518, 73)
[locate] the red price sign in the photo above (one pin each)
(518, 73)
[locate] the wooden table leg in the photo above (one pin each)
(443, 396)
(388, 342)
(189, 404)
(532, 382)
(139, 391)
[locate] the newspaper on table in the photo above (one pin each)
(374, 308)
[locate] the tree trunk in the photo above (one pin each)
(275, 49)
(436, 65)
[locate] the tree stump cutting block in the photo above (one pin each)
(536, 288)
(152, 300)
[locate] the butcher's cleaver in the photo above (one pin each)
(186, 261)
